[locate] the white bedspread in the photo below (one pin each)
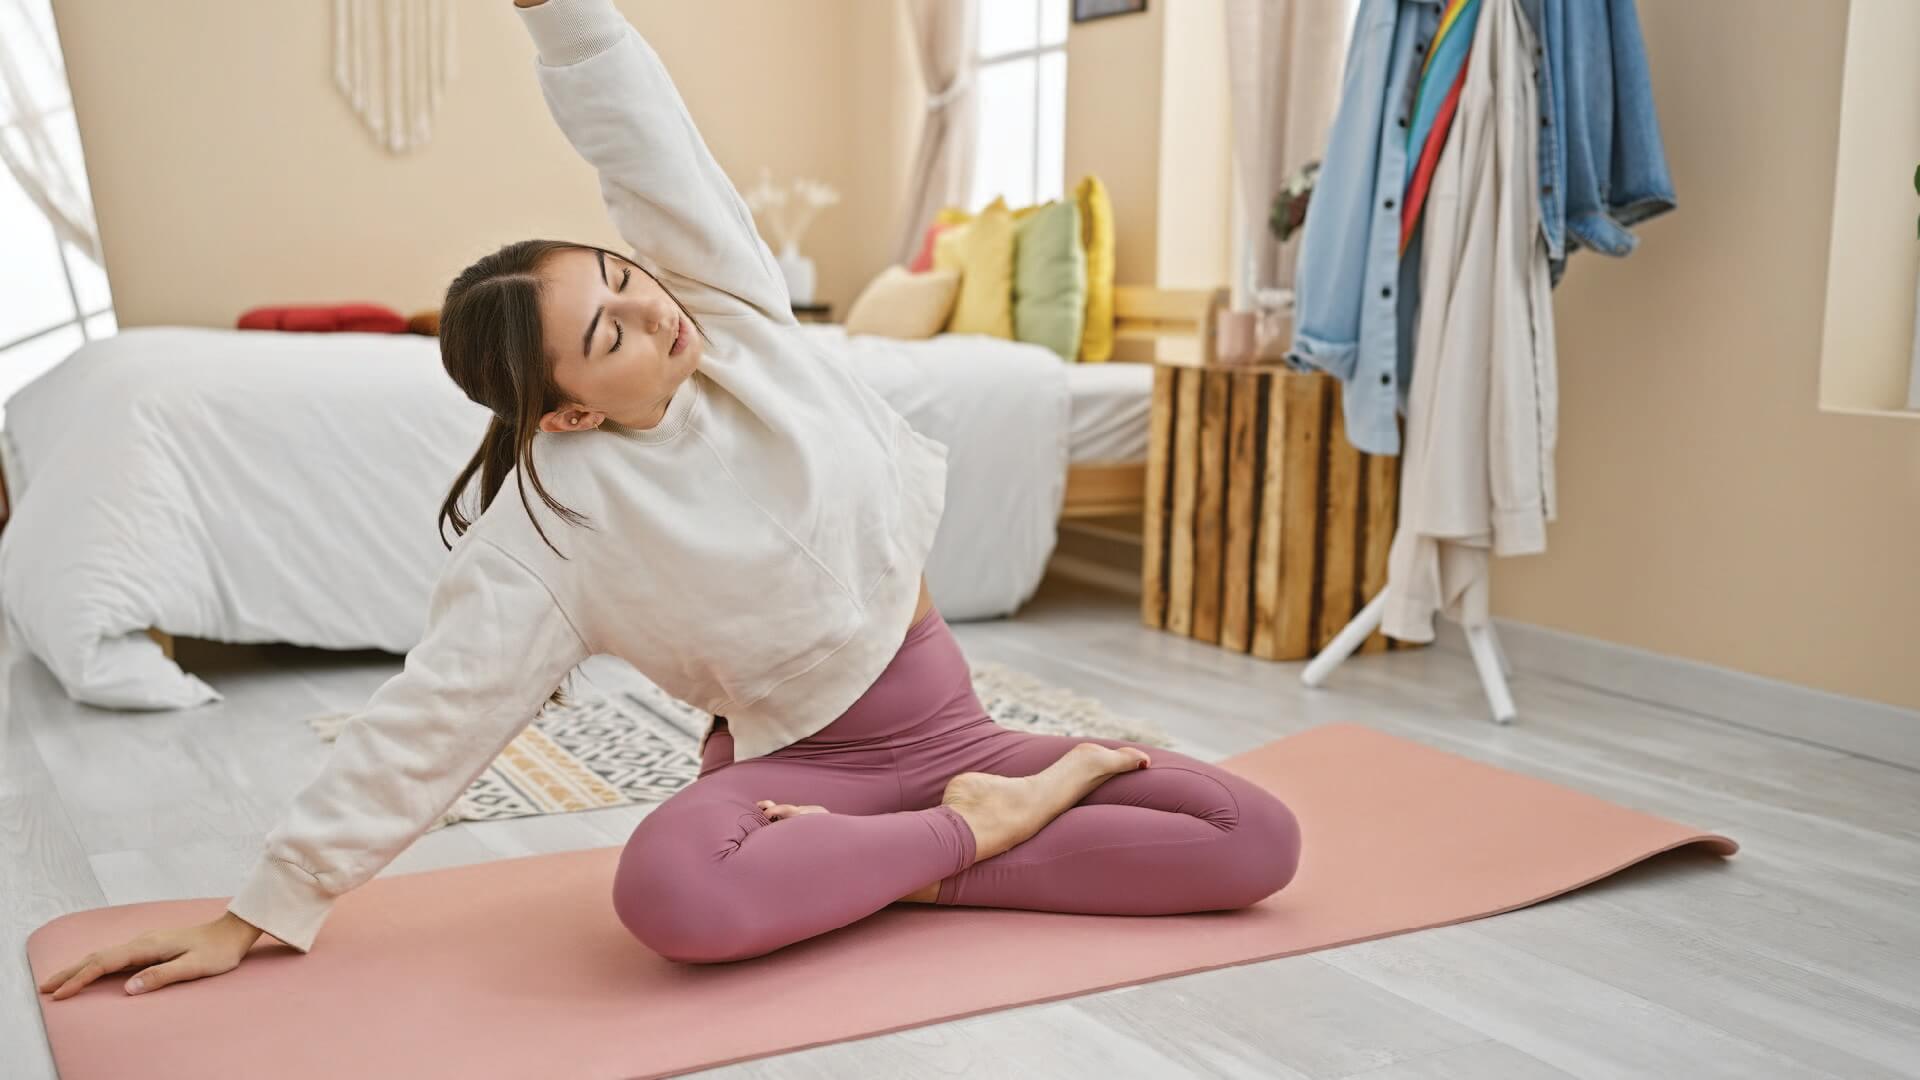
(246, 486)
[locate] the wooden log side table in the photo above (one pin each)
(1265, 529)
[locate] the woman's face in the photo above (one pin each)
(619, 345)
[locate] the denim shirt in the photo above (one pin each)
(1354, 296)
(1602, 164)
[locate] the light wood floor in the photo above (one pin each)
(1800, 957)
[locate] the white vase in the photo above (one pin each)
(798, 270)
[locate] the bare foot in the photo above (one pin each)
(776, 811)
(1007, 810)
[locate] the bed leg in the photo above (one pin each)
(165, 641)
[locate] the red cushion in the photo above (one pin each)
(923, 262)
(326, 318)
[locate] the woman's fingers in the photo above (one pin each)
(74, 979)
(54, 980)
(180, 969)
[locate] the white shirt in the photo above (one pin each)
(757, 554)
(1477, 470)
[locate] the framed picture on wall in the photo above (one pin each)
(1088, 10)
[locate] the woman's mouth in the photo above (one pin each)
(679, 337)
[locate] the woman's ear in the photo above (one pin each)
(571, 418)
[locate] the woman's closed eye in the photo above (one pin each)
(618, 332)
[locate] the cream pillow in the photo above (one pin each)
(902, 304)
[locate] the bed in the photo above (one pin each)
(247, 486)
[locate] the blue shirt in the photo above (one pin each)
(1602, 164)
(1354, 298)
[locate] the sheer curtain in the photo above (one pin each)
(54, 294)
(33, 86)
(1284, 59)
(943, 33)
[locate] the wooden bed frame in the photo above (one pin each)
(1150, 325)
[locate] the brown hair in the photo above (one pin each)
(491, 346)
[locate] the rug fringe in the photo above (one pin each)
(1085, 713)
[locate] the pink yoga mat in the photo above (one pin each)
(519, 968)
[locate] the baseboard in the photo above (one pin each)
(1850, 725)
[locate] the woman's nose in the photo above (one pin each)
(653, 315)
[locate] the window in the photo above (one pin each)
(56, 295)
(1020, 150)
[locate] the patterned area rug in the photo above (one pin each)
(639, 745)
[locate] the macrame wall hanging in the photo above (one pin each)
(391, 60)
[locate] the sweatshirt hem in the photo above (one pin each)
(285, 901)
(822, 693)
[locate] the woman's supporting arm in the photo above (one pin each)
(496, 645)
(669, 198)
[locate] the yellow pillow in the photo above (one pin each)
(902, 304)
(1096, 235)
(947, 251)
(982, 250)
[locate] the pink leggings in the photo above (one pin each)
(706, 877)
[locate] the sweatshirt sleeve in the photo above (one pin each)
(612, 97)
(495, 647)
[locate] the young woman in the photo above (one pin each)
(693, 486)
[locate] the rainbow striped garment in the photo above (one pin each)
(1435, 98)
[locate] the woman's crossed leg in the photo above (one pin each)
(708, 877)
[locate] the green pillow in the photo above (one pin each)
(1050, 278)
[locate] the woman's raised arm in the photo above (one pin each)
(668, 197)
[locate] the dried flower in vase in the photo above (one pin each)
(786, 210)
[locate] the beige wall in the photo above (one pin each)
(1708, 509)
(1113, 127)
(227, 172)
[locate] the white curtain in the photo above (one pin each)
(32, 84)
(943, 166)
(1283, 66)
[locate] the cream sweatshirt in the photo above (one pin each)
(757, 554)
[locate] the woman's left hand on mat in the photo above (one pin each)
(166, 957)
(775, 811)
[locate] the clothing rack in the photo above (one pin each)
(1411, 69)
(1488, 658)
